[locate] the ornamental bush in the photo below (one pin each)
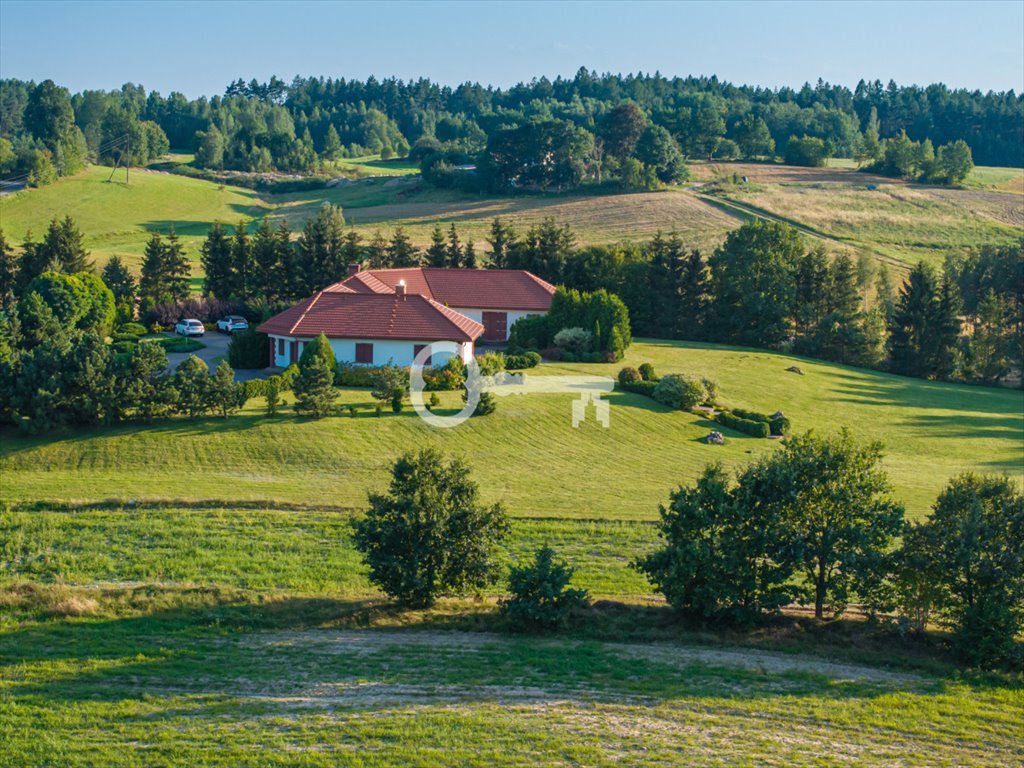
(647, 372)
(629, 375)
(519, 362)
(679, 391)
(575, 340)
(540, 595)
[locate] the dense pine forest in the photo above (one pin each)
(546, 134)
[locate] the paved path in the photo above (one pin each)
(216, 345)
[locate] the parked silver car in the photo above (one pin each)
(189, 327)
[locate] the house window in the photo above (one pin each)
(417, 348)
(280, 347)
(364, 353)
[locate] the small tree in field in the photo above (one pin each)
(541, 597)
(273, 395)
(314, 386)
(430, 535)
(226, 396)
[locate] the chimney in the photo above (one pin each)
(352, 269)
(400, 288)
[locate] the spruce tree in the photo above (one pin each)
(178, 269)
(469, 260)
(812, 300)
(241, 263)
(454, 250)
(266, 271)
(314, 386)
(153, 280)
(377, 252)
(215, 256)
(946, 323)
(694, 298)
(64, 246)
(990, 344)
(502, 238)
(842, 294)
(437, 253)
(118, 279)
(912, 333)
(400, 251)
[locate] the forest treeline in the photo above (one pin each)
(763, 287)
(634, 129)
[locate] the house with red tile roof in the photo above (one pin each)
(377, 316)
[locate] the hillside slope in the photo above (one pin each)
(527, 454)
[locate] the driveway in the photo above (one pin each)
(216, 346)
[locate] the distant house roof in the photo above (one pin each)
(508, 289)
(345, 314)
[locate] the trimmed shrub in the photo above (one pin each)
(135, 329)
(520, 362)
(629, 375)
(352, 375)
(287, 377)
(779, 426)
(491, 363)
(554, 354)
(678, 391)
(255, 388)
(645, 388)
(747, 426)
(541, 598)
(249, 350)
(647, 372)
(131, 338)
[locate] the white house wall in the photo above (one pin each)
(385, 351)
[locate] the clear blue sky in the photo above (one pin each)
(199, 47)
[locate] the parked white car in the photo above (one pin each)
(189, 327)
(232, 323)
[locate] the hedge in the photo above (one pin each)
(778, 426)
(747, 426)
(519, 362)
(639, 387)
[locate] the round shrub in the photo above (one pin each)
(629, 376)
(678, 391)
(779, 426)
(574, 340)
(647, 372)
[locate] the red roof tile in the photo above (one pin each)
(343, 314)
(507, 289)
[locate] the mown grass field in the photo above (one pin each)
(527, 454)
(241, 628)
(168, 637)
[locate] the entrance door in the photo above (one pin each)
(495, 326)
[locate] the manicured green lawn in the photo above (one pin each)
(527, 454)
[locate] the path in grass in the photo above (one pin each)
(527, 454)
(161, 691)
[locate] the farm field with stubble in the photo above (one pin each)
(897, 223)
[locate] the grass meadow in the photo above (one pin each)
(527, 454)
(897, 223)
(187, 593)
